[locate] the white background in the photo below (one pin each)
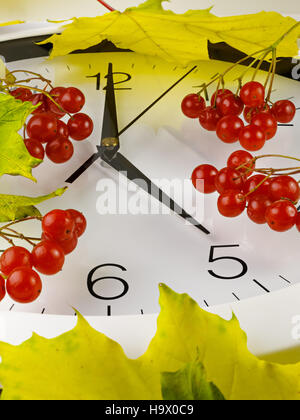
(58, 9)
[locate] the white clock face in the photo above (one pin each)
(125, 252)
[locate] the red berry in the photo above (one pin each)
(80, 222)
(60, 150)
(192, 105)
(229, 179)
(284, 111)
(252, 138)
(218, 96)
(59, 225)
(209, 118)
(39, 98)
(62, 130)
(249, 112)
(22, 94)
(231, 203)
(80, 127)
(48, 257)
(15, 257)
(251, 186)
(228, 128)
(35, 148)
(284, 187)
(56, 94)
(253, 94)
(69, 245)
(231, 105)
(24, 285)
(257, 208)
(42, 127)
(72, 100)
(204, 177)
(239, 158)
(2, 288)
(267, 122)
(281, 216)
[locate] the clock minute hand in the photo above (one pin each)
(110, 143)
(123, 165)
(110, 132)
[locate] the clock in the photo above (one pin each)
(132, 180)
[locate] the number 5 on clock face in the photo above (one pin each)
(131, 245)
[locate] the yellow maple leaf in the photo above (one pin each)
(181, 38)
(79, 365)
(186, 333)
(84, 364)
(14, 22)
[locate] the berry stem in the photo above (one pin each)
(111, 9)
(222, 76)
(38, 76)
(40, 91)
(259, 185)
(275, 45)
(271, 171)
(273, 73)
(262, 55)
(8, 225)
(10, 241)
(20, 236)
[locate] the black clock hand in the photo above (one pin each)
(96, 156)
(110, 132)
(110, 138)
(121, 164)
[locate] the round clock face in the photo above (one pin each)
(132, 242)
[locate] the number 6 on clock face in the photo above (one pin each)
(132, 242)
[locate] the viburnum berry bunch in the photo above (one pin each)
(21, 268)
(45, 131)
(248, 115)
(270, 196)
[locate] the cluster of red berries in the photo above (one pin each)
(45, 127)
(20, 268)
(270, 200)
(223, 115)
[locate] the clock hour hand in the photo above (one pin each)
(123, 165)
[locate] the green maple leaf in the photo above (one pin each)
(181, 38)
(14, 156)
(13, 207)
(89, 365)
(189, 383)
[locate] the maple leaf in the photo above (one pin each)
(14, 156)
(187, 333)
(189, 383)
(13, 22)
(89, 365)
(13, 207)
(149, 29)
